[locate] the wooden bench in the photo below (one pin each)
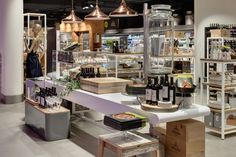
(131, 145)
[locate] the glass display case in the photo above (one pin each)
(67, 63)
(125, 65)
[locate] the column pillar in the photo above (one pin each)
(11, 51)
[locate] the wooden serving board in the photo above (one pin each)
(104, 85)
(148, 107)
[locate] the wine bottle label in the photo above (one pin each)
(148, 94)
(154, 95)
(171, 95)
(165, 92)
(161, 95)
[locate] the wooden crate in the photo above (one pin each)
(178, 148)
(185, 138)
(187, 130)
(104, 85)
(220, 33)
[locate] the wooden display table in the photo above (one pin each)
(50, 124)
(132, 145)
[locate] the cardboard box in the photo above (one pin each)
(177, 34)
(220, 33)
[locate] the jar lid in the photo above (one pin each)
(175, 15)
(189, 12)
(161, 7)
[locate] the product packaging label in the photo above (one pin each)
(154, 95)
(148, 94)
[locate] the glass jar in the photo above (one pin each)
(160, 40)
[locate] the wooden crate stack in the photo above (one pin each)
(185, 138)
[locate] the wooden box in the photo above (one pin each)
(185, 138)
(187, 130)
(104, 85)
(220, 33)
(178, 148)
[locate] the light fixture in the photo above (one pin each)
(123, 11)
(96, 14)
(72, 18)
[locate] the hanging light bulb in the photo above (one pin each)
(97, 14)
(72, 18)
(123, 11)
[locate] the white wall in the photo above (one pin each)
(210, 11)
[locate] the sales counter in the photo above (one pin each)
(117, 102)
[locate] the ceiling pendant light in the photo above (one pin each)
(97, 14)
(72, 18)
(123, 11)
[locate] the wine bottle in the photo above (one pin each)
(149, 92)
(166, 91)
(92, 73)
(160, 93)
(155, 91)
(98, 73)
(172, 91)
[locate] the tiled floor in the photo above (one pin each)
(16, 140)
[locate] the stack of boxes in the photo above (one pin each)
(185, 138)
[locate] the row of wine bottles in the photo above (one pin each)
(89, 72)
(160, 89)
(43, 94)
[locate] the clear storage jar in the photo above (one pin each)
(160, 39)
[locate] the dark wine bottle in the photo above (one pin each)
(160, 93)
(166, 91)
(93, 73)
(149, 92)
(98, 73)
(155, 91)
(86, 73)
(172, 91)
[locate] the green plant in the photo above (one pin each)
(72, 83)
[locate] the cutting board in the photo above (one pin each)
(104, 85)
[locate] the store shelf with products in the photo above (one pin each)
(220, 85)
(68, 62)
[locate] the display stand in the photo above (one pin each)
(29, 20)
(50, 124)
(220, 127)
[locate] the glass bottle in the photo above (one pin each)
(149, 91)
(161, 89)
(98, 73)
(172, 91)
(166, 90)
